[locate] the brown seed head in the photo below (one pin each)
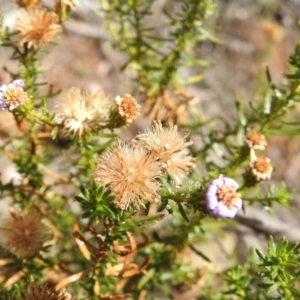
(83, 111)
(38, 27)
(131, 173)
(256, 141)
(170, 148)
(128, 108)
(21, 232)
(36, 292)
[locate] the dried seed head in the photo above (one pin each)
(83, 111)
(38, 27)
(131, 173)
(127, 107)
(170, 149)
(34, 292)
(28, 4)
(12, 95)
(255, 140)
(222, 200)
(21, 232)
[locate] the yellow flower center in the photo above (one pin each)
(262, 165)
(227, 195)
(255, 138)
(37, 34)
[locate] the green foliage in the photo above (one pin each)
(96, 203)
(272, 276)
(157, 56)
(279, 269)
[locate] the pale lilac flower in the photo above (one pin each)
(222, 200)
(12, 95)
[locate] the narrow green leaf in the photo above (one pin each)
(266, 263)
(87, 214)
(102, 147)
(293, 76)
(290, 264)
(162, 206)
(80, 198)
(147, 208)
(271, 246)
(265, 285)
(84, 191)
(182, 212)
(130, 225)
(193, 79)
(54, 132)
(108, 135)
(291, 247)
(150, 273)
(274, 287)
(281, 247)
(109, 199)
(241, 112)
(169, 209)
(200, 253)
(295, 292)
(99, 193)
(282, 131)
(107, 211)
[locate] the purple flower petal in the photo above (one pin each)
(3, 106)
(211, 196)
(239, 204)
(223, 211)
(3, 88)
(230, 182)
(217, 207)
(218, 182)
(18, 83)
(211, 201)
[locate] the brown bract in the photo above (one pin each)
(171, 150)
(170, 106)
(28, 4)
(38, 27)
(21, 232)
(131, 173)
